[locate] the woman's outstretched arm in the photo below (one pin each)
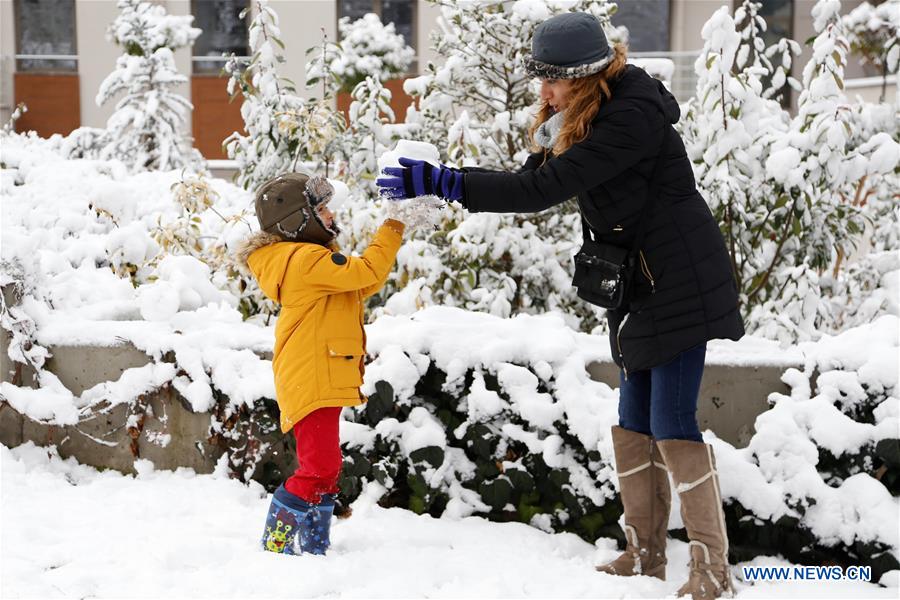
(617, 142)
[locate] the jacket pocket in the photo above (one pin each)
(344, 356)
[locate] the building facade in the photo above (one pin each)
(54, 53)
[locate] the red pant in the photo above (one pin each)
(318, 455)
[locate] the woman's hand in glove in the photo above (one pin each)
(415, 178)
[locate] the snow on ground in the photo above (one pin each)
(72, 531)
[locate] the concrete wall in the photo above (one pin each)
(171, 435)
(730, 400)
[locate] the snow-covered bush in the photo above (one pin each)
(476, 108)
(820, 479)
(282, 128)
(367, 136)
(16, 114)
(466, 416)
(789, 193)
(874, 35)
(184, 235)
(146, 131)
(521, 435)
(88, 247)
(368, 48)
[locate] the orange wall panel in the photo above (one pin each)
(53, 102)
(214, 118)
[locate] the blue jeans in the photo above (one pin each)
(662, 401)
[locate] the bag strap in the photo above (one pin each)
(650, 198)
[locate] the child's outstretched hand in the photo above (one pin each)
(422, 212)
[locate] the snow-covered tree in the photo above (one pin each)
(479, 102)
(146, 131)
(282, 128)
(476, 107)
(368, 48)
(755, 59)
(788, 192)
(874, 34)
(368, 138)
(728, 128)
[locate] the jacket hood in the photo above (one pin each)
(637, 85)
(270, 258)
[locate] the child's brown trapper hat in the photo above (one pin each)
(286, 207)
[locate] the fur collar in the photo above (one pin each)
(247, 246)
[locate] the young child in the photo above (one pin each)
(319, 342)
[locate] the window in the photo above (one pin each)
(647, 22)
(224, 31)
(45, 32)
(779, 16)
(402, 13)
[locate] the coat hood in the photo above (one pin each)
(270, 258)
(637, 85)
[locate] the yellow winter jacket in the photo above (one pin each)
(320, 343)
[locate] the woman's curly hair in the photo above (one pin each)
(585, 98)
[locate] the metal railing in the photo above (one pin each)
(684, 79)
(212, 65)
(46, 62)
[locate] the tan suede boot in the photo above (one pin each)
(693, 469)
(644, 488)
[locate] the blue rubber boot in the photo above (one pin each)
(287, 516)
(315, 531)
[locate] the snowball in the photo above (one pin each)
(409, 149)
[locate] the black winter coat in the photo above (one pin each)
(693, 297)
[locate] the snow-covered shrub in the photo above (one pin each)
(874, 35)
(466, 416)
(820, 479)
(788, 192)
(282, 128)
(368, 48)
(16, 114)
(484, 262)
(449, 431)
(367, 136)
(146, 131)
(80, 262)
(186, 235)
(23, 348)
(476, 108)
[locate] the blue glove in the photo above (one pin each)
(419, 178)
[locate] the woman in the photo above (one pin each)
(602, 125)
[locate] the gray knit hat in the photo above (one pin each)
(286, 207)
(568, 46)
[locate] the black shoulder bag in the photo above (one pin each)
(604, 273)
